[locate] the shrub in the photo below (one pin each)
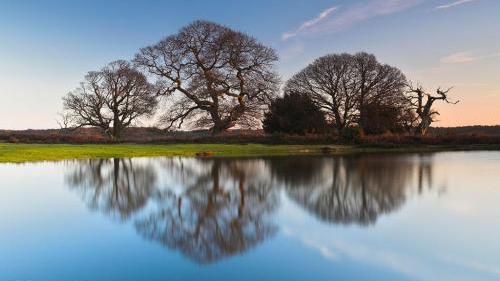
(13, 139)
(381, 118)
(295, 113)
(352, 135)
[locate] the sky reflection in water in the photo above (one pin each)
(376, 217)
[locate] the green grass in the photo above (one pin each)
(17, 153)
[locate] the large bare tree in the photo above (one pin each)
(377, 83)
(111, 99)
(422, 103)
(328, 81)
(215, 77)
(342, 84)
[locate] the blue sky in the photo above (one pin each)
(46, 47)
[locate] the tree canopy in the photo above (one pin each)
(111, 99)
(342, 84)
(214, 76)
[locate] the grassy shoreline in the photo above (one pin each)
(19, 153)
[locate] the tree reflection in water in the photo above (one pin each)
(351, 189)
(223, 209)
(210, 209)
(119, 187)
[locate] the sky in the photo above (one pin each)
(47, 47)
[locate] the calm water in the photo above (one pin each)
(399, 217)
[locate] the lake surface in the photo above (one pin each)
(373, 217)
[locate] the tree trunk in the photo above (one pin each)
(340, 126)
(423, 126)
(113, 135)
(221, 126)
(217, 129)
(117, 126)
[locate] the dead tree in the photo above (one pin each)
(111, 99)
(422, 103)
(215, 77)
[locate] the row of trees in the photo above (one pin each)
(352, 90)
(214, 77)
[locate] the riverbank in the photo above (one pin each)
(19, 153)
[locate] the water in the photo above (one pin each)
(376, 217)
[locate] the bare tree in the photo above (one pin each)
(422, 102)
(111, 99)
(342, 84)
(328, 80)
(215, 77)
(64, 121)
(377, 83)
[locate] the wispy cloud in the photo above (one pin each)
(431, 268)
(310, 23)
(329, 22)
(325, 251)
(453, 4)
(292, 50)
(474, 265)
(460, 57)
(467, 57)
(338, 250)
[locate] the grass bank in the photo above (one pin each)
(18, 153)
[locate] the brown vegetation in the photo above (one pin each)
(436, 136)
